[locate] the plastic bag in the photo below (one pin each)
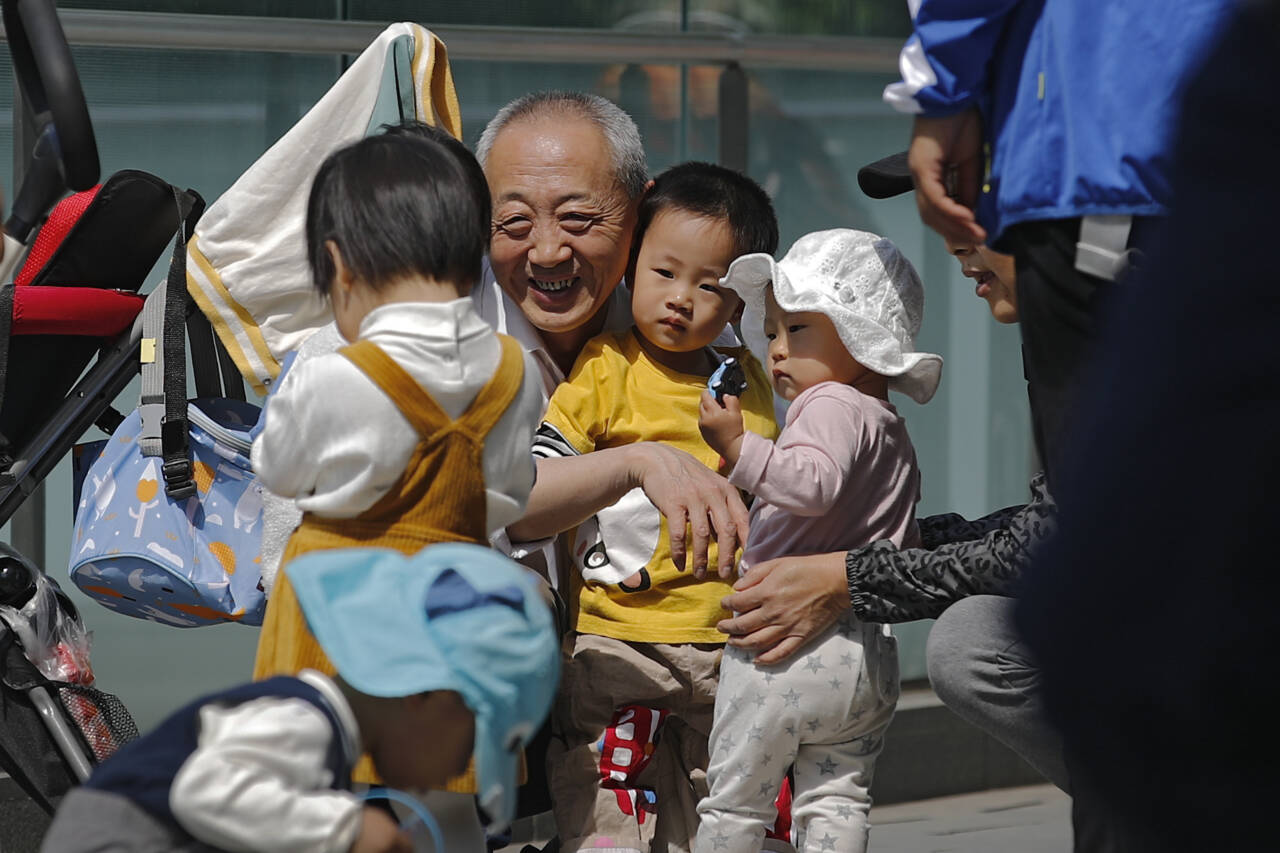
(51, 633)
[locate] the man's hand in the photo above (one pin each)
(721, 426)
(784, 603)
(691, 495)
(380, 834)
(943, 149)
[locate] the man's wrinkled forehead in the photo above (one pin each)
(567, 147)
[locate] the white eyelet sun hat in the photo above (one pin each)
(863, 283)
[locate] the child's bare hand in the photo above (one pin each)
(379, 833)
(721, 426)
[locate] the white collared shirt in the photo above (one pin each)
(336, 443)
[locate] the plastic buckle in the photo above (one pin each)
(178, 482)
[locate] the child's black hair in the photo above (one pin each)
(411, 200)
(713, 192)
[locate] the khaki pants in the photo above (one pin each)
(628, 761)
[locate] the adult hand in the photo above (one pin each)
(943, 149)
(782, 604)
(693, 498)
(380, 834)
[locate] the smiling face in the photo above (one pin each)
(676, 298)
(995, 276)
(562, 222)
(805, 349)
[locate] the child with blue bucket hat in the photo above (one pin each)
(439, 656)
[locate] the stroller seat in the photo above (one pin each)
(68, 309)
(77, 289)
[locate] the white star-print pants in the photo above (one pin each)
(825, 711)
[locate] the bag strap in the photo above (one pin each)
(163, 407)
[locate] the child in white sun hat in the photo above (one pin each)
(838, 317)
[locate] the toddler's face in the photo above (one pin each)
(805, 349)
(676, 299)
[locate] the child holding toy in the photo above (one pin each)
(838, 316)
(635, 709)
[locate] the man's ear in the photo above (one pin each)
(736, 319)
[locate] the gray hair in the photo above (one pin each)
(620, 132)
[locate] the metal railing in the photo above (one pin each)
(509, 44)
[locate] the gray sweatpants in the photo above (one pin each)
(826, 711)
(981, 670)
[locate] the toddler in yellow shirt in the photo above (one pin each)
(628, 763)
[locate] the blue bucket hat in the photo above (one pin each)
(452, 617)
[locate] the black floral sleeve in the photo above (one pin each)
(961, 558)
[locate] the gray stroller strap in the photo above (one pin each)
(151, 404)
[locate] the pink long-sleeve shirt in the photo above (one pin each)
(842, 474)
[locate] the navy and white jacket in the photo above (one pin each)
(1078, 97)
(263, 766)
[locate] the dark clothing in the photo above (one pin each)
(143, 770)
(1169, 498)
(1058, 316)
(959, 558)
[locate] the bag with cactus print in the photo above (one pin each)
(187, 561)
(169, 518)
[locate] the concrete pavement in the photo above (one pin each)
(1032, 819)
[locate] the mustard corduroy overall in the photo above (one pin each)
(439, 498)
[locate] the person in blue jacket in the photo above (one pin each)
(1044, 129)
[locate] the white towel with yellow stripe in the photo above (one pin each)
(247, 265)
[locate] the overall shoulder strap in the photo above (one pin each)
(499, 391)
(413, 401)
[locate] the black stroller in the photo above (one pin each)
(68, 294)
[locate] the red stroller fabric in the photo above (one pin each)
(65, 309)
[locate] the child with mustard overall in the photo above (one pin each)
(418, 432)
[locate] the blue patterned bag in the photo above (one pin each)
(186, 562)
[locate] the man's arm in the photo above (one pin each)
(694, 499)
(944, 68)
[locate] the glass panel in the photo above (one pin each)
(887, 18)
(199, 118)
(196, 118)
(593, 14)
(268, 8)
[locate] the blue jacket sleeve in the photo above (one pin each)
(945, 62)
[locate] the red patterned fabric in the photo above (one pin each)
(64, 215)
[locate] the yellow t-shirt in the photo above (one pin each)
(617, 395)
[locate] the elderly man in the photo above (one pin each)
(566, 171)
